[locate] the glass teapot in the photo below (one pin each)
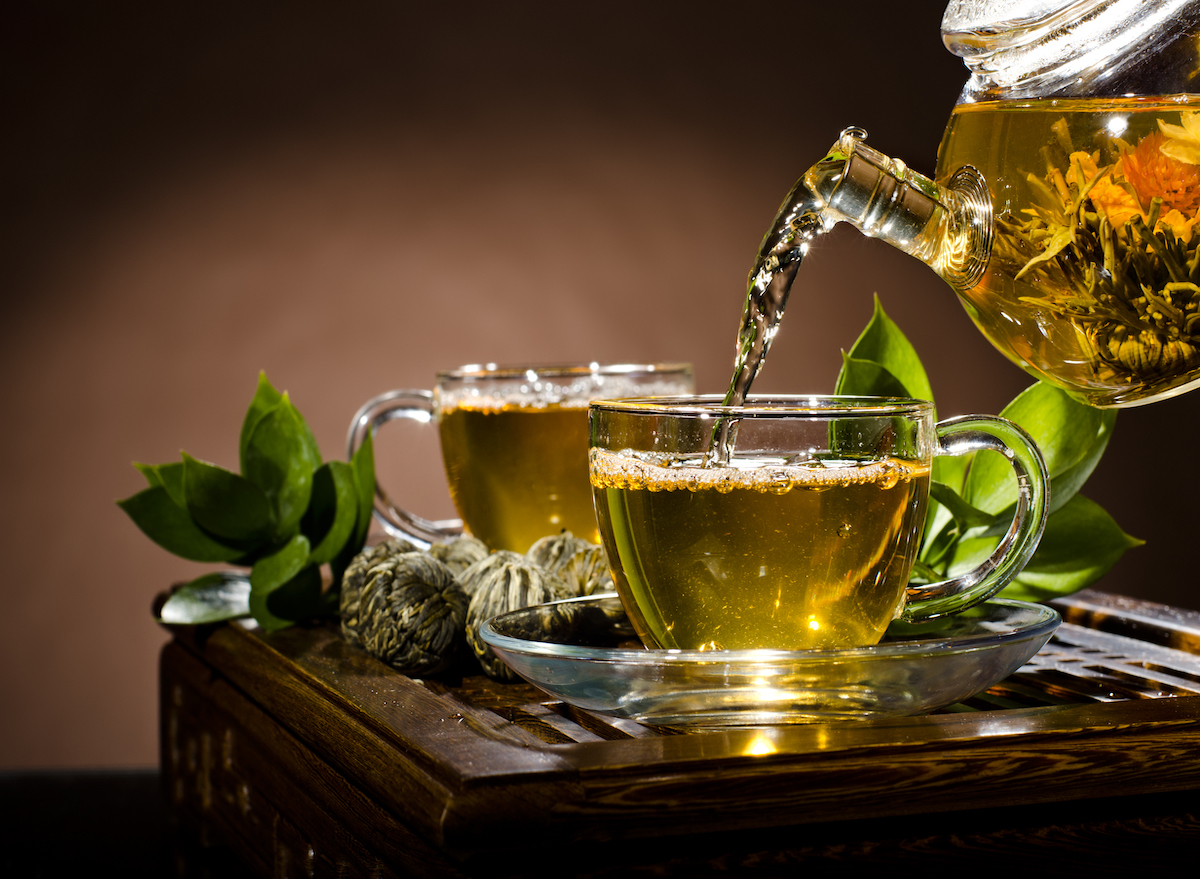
(1066, 209)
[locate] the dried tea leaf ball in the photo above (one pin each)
(581, 564)
(412, 613)
(550, 552)
(460, 553)
(587, 572)
(354, 577)
(480, 571)
(503, 583)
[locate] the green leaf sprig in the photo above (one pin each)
(284, 516)
(972, 497)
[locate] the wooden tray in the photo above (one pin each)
(310, 758)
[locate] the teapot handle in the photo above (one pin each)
(961, 436)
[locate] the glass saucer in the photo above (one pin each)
(584, 652)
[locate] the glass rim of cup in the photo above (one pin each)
(562, 370)
(767, 406)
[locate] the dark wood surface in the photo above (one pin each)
(309, 757)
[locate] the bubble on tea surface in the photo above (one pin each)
(778, 482)
(639, 470)
(892, 474)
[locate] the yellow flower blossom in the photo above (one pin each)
(1182, 141)
(1086, 163)
(1126, 189)
(1181, 226)
(1115, 201)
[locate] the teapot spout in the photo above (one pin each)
(948, 227)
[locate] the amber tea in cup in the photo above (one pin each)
(803, 535)
(514, 443)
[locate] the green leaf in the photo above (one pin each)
(208, 599)
(265, 399)
(971, 496)
(271, 573)
(882, 343)
(150, 471)
(867, 378)
(169, 476)
(1071, 436)
(363, 466)
(874, 367)
(279, 457)
(969, 551)
(300, 598)
(950, 473)
(1080, 545)
(226, 504)
(332, 513)
(364, 478)
(940, 543)
(252, 552)
(172, 528)
(1067, 483)
(966, 515)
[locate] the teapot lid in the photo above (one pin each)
(1079, 48)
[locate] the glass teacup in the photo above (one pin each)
(514, 442)
(802, 536)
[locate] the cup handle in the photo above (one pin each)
(418, 406)
(961, 436)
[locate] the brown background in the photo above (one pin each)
(352, 195)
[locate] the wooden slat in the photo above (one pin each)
(1144, 621)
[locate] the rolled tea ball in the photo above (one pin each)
(504, 582)
(460, 553)
(551, 551)
(580, 563)
(412, 613)
(355, 575)
(586, 572)
(477, 573)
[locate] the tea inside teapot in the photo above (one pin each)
(1092, 280)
